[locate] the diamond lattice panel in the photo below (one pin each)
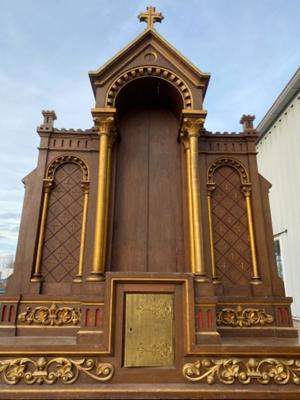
(63, 227)
(230, 225)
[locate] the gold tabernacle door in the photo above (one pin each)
(148, 330)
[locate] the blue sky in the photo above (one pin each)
(251, 48)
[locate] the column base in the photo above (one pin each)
(96, 277)
(36, 278)
(256, 281)
(200, 278)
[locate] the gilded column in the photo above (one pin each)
(105, 121)
(192, 122)
(190, 201)
(210, 189)
(85, 185)
(255, 272)
(47, 186)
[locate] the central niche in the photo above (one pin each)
(148, 234)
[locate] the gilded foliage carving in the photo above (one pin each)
(53, 315)
(233, 370)
(50, 371)
(243, 317)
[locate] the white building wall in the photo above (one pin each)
(279, 162)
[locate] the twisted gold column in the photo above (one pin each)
(255, 274)
(106, 124)
(85, 188)
(47, 186)
(190, 130)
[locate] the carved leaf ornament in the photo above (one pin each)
(61, 369)
(243, 318)
(53, 315)
(234, 370)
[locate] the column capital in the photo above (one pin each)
(210, 188)
(85, 186)
(247, 189)
(192, 121)
(47, 185)
(105, 120)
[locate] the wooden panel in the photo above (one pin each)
(130, 220)
(63, 227)
(231, 236)
(165, 247)
(148, 223)
(149, 330)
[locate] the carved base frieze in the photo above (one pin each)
(42, 370)
(228, 371)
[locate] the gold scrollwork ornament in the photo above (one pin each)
(243, 318)
(50, 371)
(234, 370)
(53, 315)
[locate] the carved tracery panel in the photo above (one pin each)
(230, 227)
(61, 247)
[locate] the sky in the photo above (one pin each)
(251, 48)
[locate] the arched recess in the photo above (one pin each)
(60, 248)
(237, 165)
(147, 233)
(233, 255)
(149, 71)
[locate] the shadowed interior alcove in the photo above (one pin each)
(148, 229)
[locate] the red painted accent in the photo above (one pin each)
(10, 314)
(98, 317)
(209, 318)
(200, 319)
(3, 313)
(278, 316)
(87, 317)
(285, 316)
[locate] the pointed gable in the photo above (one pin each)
(149, 51)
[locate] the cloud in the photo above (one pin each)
(241, 44)
(9, 215)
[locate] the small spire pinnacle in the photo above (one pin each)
(150, 16)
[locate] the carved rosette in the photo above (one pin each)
(243, 317)
(51, 371)
(53, 315)
(233, 370)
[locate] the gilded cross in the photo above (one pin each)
(150, 16)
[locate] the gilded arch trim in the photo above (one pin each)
(63, 159)
(149, 71)
(230, 162)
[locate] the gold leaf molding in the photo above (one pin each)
(234, 370)
(50, 371)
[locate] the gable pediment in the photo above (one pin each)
(148, 50)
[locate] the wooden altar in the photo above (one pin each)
(145, 265)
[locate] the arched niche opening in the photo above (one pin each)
(148, 229)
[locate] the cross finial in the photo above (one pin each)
(150, 16)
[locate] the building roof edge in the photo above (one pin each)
(279, 105)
